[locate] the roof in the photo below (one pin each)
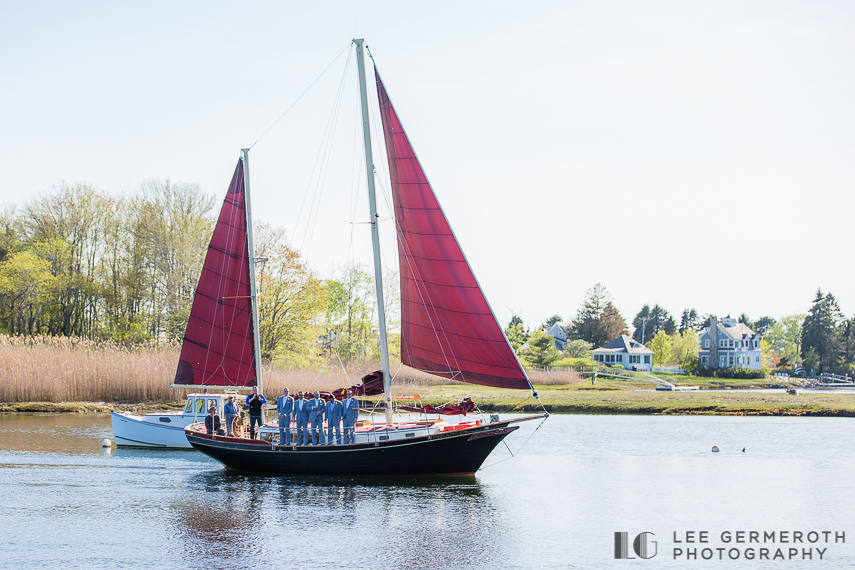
(737, 331)
(624, 343)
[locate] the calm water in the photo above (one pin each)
(66, 503)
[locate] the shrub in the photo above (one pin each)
(732, 372)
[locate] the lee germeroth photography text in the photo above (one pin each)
(731, 545)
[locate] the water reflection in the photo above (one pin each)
(412, 521)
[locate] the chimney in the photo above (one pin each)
(713, 342)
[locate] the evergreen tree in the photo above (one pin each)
(598, 321)
(821, 334)
(763, 325)
(556, 318)
(541, 351)
(689, 321)
(517, 333)
(651, 321)
(847, 343)
(640, 324)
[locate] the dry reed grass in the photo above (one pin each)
(61, 369)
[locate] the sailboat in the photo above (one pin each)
(220, 351)
(447, 329)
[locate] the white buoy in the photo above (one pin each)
(106, 442)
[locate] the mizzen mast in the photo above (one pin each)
(375, 235)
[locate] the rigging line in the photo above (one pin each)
(322, 176)
(320, 161)
(356, 171)
(326, 364)
(520, 447)
(309, 184)
(301, 96)
(346, 375)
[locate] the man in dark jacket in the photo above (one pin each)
(212, 422)
(255, 401)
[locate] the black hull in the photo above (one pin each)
(455, 452)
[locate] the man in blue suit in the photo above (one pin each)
(301, 415)
(334, 413)
(284, 407)
(313, 406)
(350, 410)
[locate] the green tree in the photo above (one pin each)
(847, 343)
(541, 349)
(785, 338)
(689, 321)
(516, 333)
(25, 283)
(556, 318)
(349, 315)
(661, 345)
(821, 334)
(71, 221)
(651, 321)
(763, 325)
(578, 349)
(290, 299)
(597, 321)
(684, 349)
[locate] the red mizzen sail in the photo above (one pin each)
(447, 326)
(219, 348)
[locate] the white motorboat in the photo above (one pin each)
(164, 429)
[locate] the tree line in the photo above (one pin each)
(80, 262)
(822, 340)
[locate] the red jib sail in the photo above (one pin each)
(218, 347)
(447, 326)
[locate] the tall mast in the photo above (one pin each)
(375, 235)
(244, 152)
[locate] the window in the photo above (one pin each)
(647, 359)
(200, 406)
(706, 343)
(188, 409)
(731, 361)
(730, 343)
(758, 359)
(619, 357)
(704, 360)
(723, 361)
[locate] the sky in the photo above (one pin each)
(686, 154)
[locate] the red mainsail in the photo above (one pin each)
(219, 347)
(447, 326)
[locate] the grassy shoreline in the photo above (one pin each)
(560, 399)
(60, 375)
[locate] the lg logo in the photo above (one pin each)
(641, 545)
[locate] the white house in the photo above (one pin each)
(625, 351)
(558, 331)
(729, 343)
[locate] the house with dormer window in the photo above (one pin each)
(558, 331)
(627, 352)
(729, 343)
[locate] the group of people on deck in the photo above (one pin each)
(309, 413)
